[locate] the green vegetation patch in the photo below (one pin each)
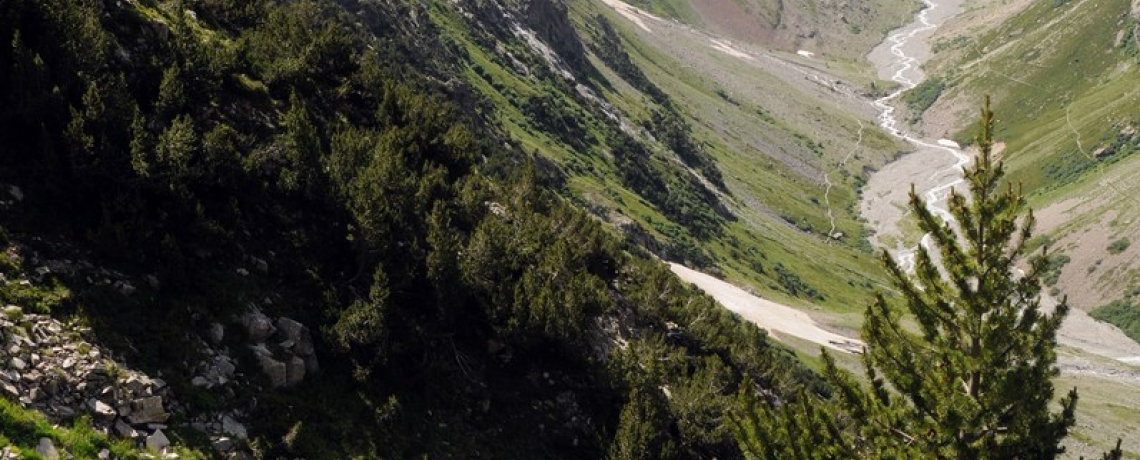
(21, 429)
(921, 97)
(1122, 313)
(1053, 265)
(1119, 246)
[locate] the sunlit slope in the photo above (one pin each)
(707, 151)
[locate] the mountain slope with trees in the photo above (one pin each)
(462, 306)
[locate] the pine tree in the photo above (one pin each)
(973, 379)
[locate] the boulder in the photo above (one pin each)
(222, 444)
(46, 449)
(294, 371)
(272, 368)
(10, 390)
(290, 329)
(221, 370)
(18, 364)
(257, 325)
(124, 431)
(157, 441)
(311, 365)
(148, 410)
(233, 428)
(102, 410)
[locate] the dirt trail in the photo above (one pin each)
(778, 319)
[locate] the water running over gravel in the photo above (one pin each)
(935, 169)
(899, 58)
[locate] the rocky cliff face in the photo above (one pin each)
(550, 22)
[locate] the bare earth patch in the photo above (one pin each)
(777, 319)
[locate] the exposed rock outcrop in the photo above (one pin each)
(283, 348)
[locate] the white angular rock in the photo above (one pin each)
(102, 410)
(17, 363)
(157, 441)
(47, 450)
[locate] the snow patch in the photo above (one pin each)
(778, 319)
(634, 14)
(727, 48)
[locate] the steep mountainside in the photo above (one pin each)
(392, 229)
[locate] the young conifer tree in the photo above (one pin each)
(972, 378)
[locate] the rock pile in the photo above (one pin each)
(48, 366)
(284, 348)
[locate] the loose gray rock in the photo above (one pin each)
(46, 449)
(102, 410)
(17, 363)
(10, 390)
(148, 410)
(294, 371)
(124, 431)
(223, 444)
(273, 369)
(157, 441)
(257, 325)
(233, 428)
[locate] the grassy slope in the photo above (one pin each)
(746, 119)
(760, 114)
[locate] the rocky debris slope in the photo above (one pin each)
(50, 366)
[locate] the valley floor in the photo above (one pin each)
(1095, 357)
